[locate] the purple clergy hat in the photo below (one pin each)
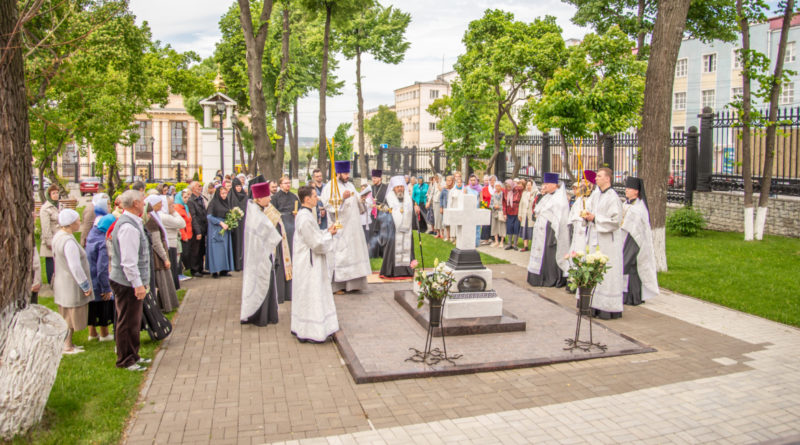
(550, 178)
(342, 166)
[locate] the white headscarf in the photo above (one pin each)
(66, 217)
(100, 200)
(154, 200)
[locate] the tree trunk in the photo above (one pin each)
(747, 169)
(281, 114)
(362, 160)
(772, 128)
(23, 391)
(254, 42)
(30, 361)
(323, 91)
(565, 157)
(238, 135)
(656, 115)
(110, 186)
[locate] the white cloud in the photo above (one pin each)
(435, 32)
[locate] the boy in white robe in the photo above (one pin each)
(350, 261)
(313, 309)
(605, 236)
(259, 296)
(638, 255)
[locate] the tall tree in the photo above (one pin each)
(505, 60)
(380, 32)
(343, 141)
(339, 11)
(599, 91)
(384, 128)
(255, 37)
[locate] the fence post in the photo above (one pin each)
(706, 156)
(178, 174)
(545, 154)
(690, 182)
(413, 154)
(355, 166)
(77, 171)
(500, 165)
(150, 172)
(608, 152)
(381, 154)
(437, 161)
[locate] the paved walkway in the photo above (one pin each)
(719, 376)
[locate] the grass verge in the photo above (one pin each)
(435, 248)
(757, 277)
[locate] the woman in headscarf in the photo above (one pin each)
(92, 214)
(208, 192)
(219, 248)
(48, 217)
(185, 233)
(173, 223)
(167, 297)
(101, 309)
(238, 198)
(72, 287)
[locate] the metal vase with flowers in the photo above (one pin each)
(585, 273)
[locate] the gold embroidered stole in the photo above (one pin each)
(275, 216)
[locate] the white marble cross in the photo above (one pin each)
(464, 216)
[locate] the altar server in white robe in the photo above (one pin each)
(350, 263)
(399, 252)
(579, 227)
(605, 236)
(313, 309)
(637, 253)
(259, 296)
(547, 266)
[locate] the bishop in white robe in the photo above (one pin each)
(548, 266)
(259, 296)
(350, 260)
(313, 309)
(605, 236)
(637, 253)
(399, 251)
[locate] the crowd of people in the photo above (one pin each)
(325, 234)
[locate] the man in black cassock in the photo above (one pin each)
(382, 218)
(284, 202)
(547, 266)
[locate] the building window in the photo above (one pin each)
(178, 144)
(737, 58)
(679, 103)
(708, 99)
(787, 93)
(681, 68)
(434, 94)
(143, 147)
(709, 63)
(432, 126)
(789, 56)
(737, 93)
(678, 129)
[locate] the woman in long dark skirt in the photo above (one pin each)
(238, 198)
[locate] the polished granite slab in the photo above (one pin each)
(377, 336)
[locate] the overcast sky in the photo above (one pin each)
(435, 34)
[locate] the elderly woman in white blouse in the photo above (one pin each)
(72, 285)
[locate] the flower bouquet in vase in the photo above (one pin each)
(433, 286)
(232, 219)
(585, 273)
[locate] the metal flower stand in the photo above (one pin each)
(584, 310)
(434, 356)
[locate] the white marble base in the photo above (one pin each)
(473, 308)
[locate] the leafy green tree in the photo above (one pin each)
(599, 91)
(506, 59)
(337, 12)
(380, 32)
(343, 143)
(384, 128)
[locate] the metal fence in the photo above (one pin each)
(141, 171)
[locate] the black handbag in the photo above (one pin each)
(158, 326)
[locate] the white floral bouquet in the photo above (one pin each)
(587, 269)
(232, 219)
(433, 285)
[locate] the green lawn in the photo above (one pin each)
(758, 277)
(435, 248)
(91, 399)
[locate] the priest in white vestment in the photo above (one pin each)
(399, 251)
(605, 236)
(547, 266)
(637, 253)
(313, 309)
(579, 227)
(259, 296)
(350, 260)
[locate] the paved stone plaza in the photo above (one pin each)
(718, 376)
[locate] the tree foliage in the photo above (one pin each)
(343, 142)
(384, 128)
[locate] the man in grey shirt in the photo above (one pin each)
(130, 270)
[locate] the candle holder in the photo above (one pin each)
(335, 198)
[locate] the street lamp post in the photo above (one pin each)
(133, 161)
(221, 112)
(233, 141)
(152, 157)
